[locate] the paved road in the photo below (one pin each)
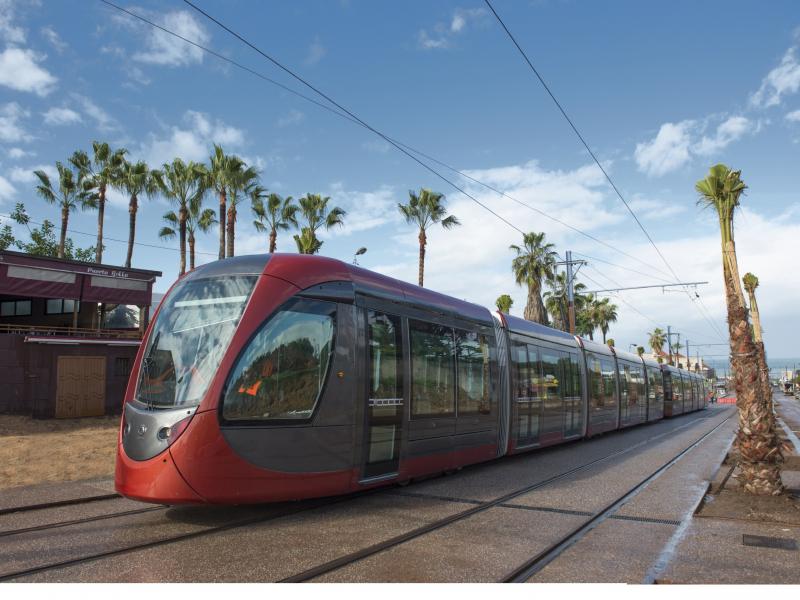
(483, 547)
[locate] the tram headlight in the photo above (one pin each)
(171, 433)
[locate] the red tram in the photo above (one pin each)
(281, 377)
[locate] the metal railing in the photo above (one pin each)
(83, 332)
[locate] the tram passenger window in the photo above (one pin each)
(281, 373)
(609, 375)
(625, 381)
(432, 370)
(595, 381)
(677, 388)
(521, 371)
(551, 376)
(472, 355)
(385, 359)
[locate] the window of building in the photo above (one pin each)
(15, 308)
(432, 370)
(58, 306)
(122, 366)
(281, 373)
(472, 355)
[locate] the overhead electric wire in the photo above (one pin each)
(396, 141)
(351, 114)
(585, 145)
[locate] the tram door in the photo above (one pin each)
(384, 410)
(528, 401)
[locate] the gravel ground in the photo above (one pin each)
(34, 451)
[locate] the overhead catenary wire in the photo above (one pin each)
(587, 147)
(342, 115)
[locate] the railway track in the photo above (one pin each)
(479, 506)
(57, 504)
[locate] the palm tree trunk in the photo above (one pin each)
(761, 353)
(182, 216)
(223, 201)
(64, 220)
(423, 240)
(101, 210)
(273, 240)
(133, 206)
(758, 444)
(534, 309)
(604, 332)
(191, 252)
(230, 228)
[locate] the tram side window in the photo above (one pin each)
(635, 381)
(385, 358)
(432, 370)
(676, 387)
(572, 375)
(519, 357)
(609, 374)
(472, 355)
(551, 380)
(656, 383)
(282, 371)
(625, 383)
(595, 381)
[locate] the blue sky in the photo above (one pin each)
(660, 92)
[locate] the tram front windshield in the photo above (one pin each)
(189, 338)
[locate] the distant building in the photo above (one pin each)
(69, 332)
(695, 364)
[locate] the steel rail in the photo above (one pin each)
(538, 562)
(359, 555)
(57, 504)
(58, 524)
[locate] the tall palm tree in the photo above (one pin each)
(606, 314)
(504, 303)
(69, 194)
(750, 284)
(135, 180)
(423, 210)
(656, 339)
(222, 171)
(276, 214)
(181, 183)
(556, 300)
(315, 216)
(535, 261)
(757, 440)
(585, 318)
(99, 172)
(197, 219)
(242, 182)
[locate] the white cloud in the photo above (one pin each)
(727, 132)
(292, 118)
(316, 52)
(61, 116)
(20, 70)
(8, 31)
(194, 142)
(25, 175)
(10, 128)
(7, 191)
(51, 35)
(676, 144)
(167, 50)
(654, 209)
(444, 33)
(365, 210)
(780, 81)
(17, 153)
(668, 151)
(105, 122)
(793, 116)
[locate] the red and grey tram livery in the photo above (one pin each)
(281, 377)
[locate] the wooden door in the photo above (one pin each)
(81, 386)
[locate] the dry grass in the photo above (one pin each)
(37, 451)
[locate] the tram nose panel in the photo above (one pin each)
(147, 432)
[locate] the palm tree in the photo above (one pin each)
(606, 313)
(197, 219)
(750, 284)
(315, 214)
(181, 183)
(534, 261)
(222, 172)
(69, 194)
(423, 210)
(656, 340)
(504, 303)
(99, 173)
(243, 181)
(640, 350)
(556, 300)
(757, 440)
(276, 214)
(136, 179)
(585, 321)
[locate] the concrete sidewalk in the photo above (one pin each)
(735, 538)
